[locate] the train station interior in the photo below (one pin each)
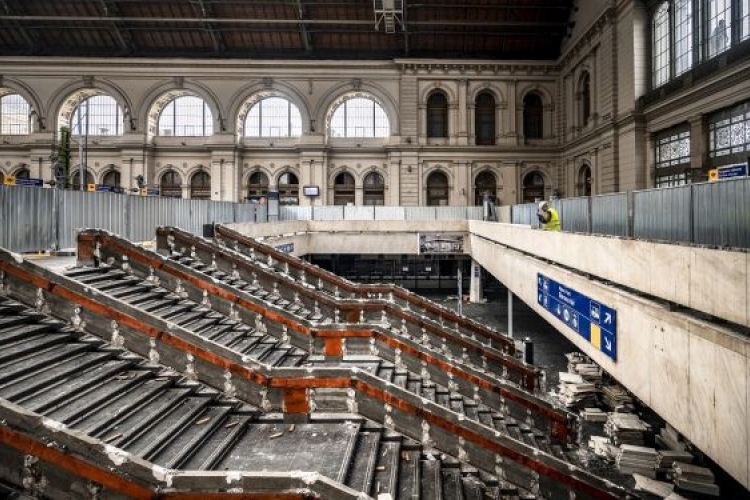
(375, 249)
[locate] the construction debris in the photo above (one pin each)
(626, 428)
(637, 460)
(695, 479)
(594, 415)
(658, 488)
(603, 448)
(617, 399)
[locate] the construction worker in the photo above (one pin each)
(548, 217)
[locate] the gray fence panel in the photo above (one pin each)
(359, 212)
(390, 213)
(575, 214)
(244, 212)
(78, 210)
(525, 214)
(450, 213)
(221, 212)
(328, 213)
(27, 218)
(295, 213)
(474, 213)
(420, 213)
(663, 214)
(721, 213)
(609, 214)
(261, 213)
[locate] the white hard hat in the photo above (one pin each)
(543, 205)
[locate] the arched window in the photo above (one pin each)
(683, 36)
(76, 181)
(374, 193)
(257, 186)
(14, 115)
(533, 187)
(660, 44)
(484, 119)
(437, 115)
(360, 117)
(171, 185)
(485, 184)
(200, 186)
(22, 173)
(98, 115)
(111, 178)
(584, 99)
(288, 189)
(533, 116)
(186, 116)
(273, 117)
(437, 189)
(343, 189)
(583, 186)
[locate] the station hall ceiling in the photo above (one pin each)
(285, 29)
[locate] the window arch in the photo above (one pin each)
(374, 189)
(171, 184)
(584, 99)
(186, 116)
(437, 115)
(200, 186)
(76, 180)
(111, 178)
(533, 116)
(22, 173)
(97, 115)
(437, 189)
(288, 186)
(360, 117)
(344, 189)
(583, 186)
(484, 119)
(14, 115)
(257, 186)
(273, 117)
(533, 187)
(485, 184)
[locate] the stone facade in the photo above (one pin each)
(606, 128)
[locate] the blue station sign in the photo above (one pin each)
(595, 322)
(732, 171)
(286, 248)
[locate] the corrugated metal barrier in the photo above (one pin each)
(609, 214)
(663, 214)
(37, 219)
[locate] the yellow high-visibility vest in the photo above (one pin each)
(554, 221)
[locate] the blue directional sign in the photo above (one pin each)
(21, 181)
(732, 171)
(286, 248)
(595, 322)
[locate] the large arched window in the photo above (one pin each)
(98, 115)
(533, 116)
(186, 116)
(533, 187)
(343, 189)
(437, 115)
(660, 44)
(111, 178)
(171, 184)
(437, 189)
(484, 119)
(22, 173)
(374, 193)
(257, 186)
(683, 36)
(288, 189)
(584, 99)
(273, 117)
(200, 186)
(359, 117)
(719, 26)
(583, 186)
(485, 185)
(14, 115)
(76, 180)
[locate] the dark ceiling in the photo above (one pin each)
(296, 29)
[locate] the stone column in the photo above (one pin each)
(393, 183)
(462, 110)
(475, 287)
(513, 109)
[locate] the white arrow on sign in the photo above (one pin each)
(607, 318)
(608, 345)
